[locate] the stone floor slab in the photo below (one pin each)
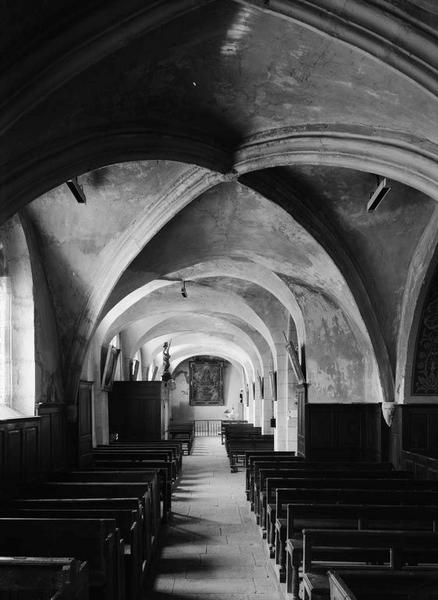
(212, 548)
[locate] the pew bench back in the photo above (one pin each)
(45, 578)
(95, 541)
(378, 584)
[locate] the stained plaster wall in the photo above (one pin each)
(383, 242)
(179, 397)
(48, 367)
(338, 366)
(423, 265)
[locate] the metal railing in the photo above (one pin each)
(207, 427)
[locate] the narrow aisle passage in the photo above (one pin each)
(212, 547)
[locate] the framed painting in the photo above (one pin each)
(110, 368)
(206, 383)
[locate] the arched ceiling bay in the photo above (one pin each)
(227, 72)
(226, 85)
(167, 301)
(195, 344)
(231, 220)
(379, 244)
(228, 231)
(144, 332)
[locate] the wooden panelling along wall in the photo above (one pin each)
(19, 440)
(135, 410)
(341, 431)
(53, 437)
(32, 447)
(85, 425)
(419, 433)
(420, 428)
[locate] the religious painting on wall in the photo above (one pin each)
(206, 382)
(425, 380)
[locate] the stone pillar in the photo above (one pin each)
(266, 404)
(256, 407)
(165, 410)
(292, 413)
(124, 356)
(100, 403)
(144, 364)
(281, 405)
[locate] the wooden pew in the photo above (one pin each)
(154, 515)
(298, 463)
(91, 489)
(100, 490)
(86, 506)
(164, 473)
(364, 495)
(269, 481)
(137, 552)
(138, 456)
(237, 448)
(174, 446)
(262, 454)
(228, 422)
(247, 432)
(324, 549)
(184, 433)
(95, 541)
(377, 584)
(43, 578)
(241, 430)
(317, 466)
(226, 426)
(348, 516)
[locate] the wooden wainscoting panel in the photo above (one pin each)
(30, 454)
(135, 410)
(343, 431)
(420, 428)
(2, 454)
(57, 430)
(85, 439)
(45, 446)
(52, 436)
(14, 459)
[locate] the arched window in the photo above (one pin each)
(17, 323)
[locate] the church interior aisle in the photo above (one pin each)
(212, 547)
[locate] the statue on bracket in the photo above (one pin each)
(166, 376)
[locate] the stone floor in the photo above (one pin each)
(212, 549)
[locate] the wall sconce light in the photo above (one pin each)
(379, 193)
(77, 190)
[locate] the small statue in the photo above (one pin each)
(166, 362)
